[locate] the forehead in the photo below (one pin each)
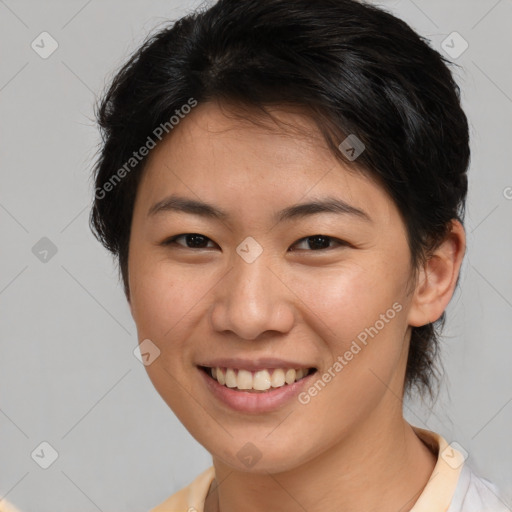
(213, 130)
(218, 152)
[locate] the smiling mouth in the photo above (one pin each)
(261, 381)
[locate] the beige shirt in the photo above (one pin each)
(452, 487)
(5, 506)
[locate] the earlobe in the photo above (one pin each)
(438, 278)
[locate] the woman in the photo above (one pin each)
(283, 183)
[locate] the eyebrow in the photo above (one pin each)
(335, 205)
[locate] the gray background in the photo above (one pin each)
(68, 375)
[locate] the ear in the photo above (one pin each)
(438, 278)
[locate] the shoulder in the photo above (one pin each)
(453, 486)
(191, 498)
(5, 506)
(476, 494)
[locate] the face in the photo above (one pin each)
(266, 284)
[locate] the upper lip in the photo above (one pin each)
(253, 365)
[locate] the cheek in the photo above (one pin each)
(164, 298)
(348, 300)
(359, 313)
(361, 323)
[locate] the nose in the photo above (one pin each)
(251, 300)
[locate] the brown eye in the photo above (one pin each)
(318, 242)
(191, 241)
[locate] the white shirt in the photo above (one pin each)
(475, 494)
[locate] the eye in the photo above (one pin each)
(319, 242)
(192, 241)
(198, 241)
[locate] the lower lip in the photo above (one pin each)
(245, 401)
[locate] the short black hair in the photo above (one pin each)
(355, 69)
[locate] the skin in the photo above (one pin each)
(349, 448)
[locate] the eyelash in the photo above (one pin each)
(172, 241)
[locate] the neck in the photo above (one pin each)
(382, 468)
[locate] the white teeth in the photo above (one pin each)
(221, 376)
(231, 380)
(244, 380)
(261, 380)
(277, 379)
(290, 376)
